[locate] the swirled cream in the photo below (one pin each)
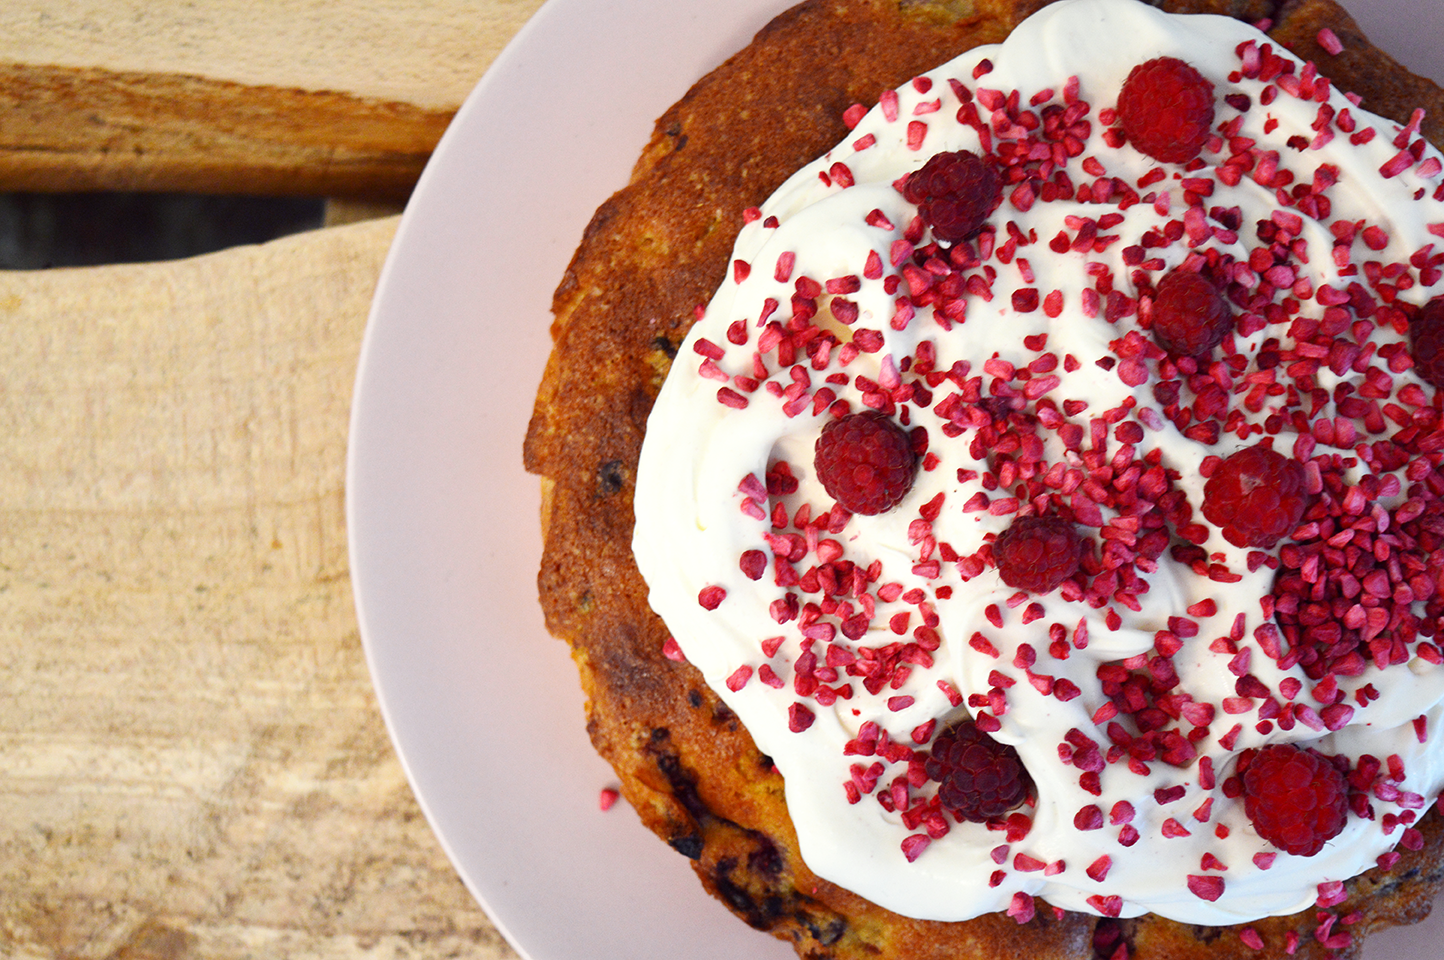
(1020, 360)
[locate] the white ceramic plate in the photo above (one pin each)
(482, 704)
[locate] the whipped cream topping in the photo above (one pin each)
(847, 643)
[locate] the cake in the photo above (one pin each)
(1058, 580)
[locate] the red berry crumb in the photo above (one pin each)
(1036, 554)
(1190, 314)
(979, 778)
(955, 192)
(1256, 497)
(1166, 109)
(1426, 342)
(1296, 798)
(865, 462)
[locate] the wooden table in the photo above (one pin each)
(192, 763)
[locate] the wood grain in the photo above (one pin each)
(336, 99)
(91, 129)
(191, 759)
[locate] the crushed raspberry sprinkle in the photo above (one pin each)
(1296, 798)
(865, 462)
(711, 597)
(979, 778)
(1166, 109)
(955, 192)
(1037, 553)
(1256, 496)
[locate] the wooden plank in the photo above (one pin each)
(340, 99)
(91, 129)
(192, 762)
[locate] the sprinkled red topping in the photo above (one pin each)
(1359, 583)
(1021, 908)
(914, 845)
(1037, 553)
(955, 192)
(1190, 314)
(1108, 906)
(1329, 40)
(979, 777)
(1296, 798)
(1166, 109)
(865, 462)
(1256, 496)
(711, 597)
(1206, 887)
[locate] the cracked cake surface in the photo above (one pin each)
(651, 255)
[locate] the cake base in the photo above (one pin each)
(653, 253)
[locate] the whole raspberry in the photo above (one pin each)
(1190, 314)
(956, 193)
(1166, 109)
(1297, 799)
(1037, 553)
(865, 462)
(1426, 342)
(1256, 497)
(979, 778)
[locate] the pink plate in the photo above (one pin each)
(482, 704)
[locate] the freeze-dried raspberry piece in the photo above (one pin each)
(1190, 314)
(1426, 342)
(1166, 109)
(1037, 553)
(979, 778)
(955, 192)
(1256, 497)
(1296, 799)
(865, 462)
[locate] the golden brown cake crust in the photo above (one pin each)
(653, 253)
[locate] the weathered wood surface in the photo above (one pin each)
(192, 763)
(317, 97)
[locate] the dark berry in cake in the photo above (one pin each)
(1166, 109)
(1426, 342)
(865, 461)
(1256, 497)
(1296, 799)
(1037, 553)
(955, 192)
(1190, 314)
(979, 778)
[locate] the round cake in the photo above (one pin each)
(994, 506)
